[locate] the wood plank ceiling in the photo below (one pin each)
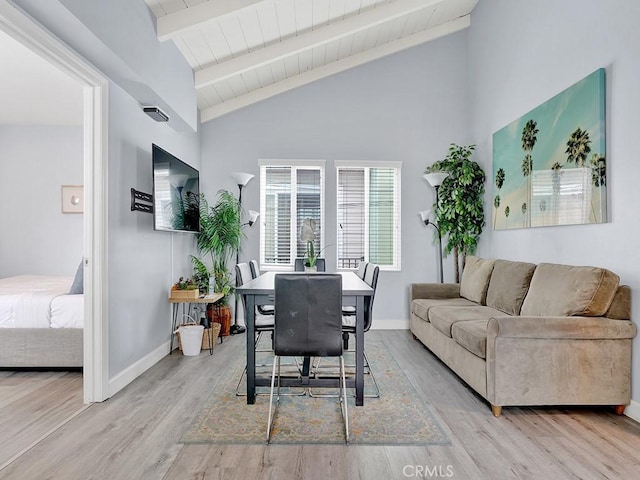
(244, 51)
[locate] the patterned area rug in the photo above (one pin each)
(399, 417)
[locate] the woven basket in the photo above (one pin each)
(214, 330)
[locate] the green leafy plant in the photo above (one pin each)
(219, 238)
(460, 210)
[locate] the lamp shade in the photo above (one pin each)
(435, 179)
(241, 178)
(253, 216)
(425, 215)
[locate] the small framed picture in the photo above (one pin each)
(72, 199)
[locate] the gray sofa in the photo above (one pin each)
(524, 334)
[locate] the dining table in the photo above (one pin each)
(261, 291)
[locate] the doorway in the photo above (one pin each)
(31, 35)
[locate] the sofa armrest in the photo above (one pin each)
(435, 290)
(576, 328)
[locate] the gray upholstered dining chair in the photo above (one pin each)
(255, 273)
(255, 268)
(308, 323)
(349, 328)
(299, 265)
(263, 322)
(360, 272)
(362, 268)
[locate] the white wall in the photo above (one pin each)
(119, 38)
(520, 55)
(35, 236)
(405, 107)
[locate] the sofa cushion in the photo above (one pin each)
(443, 318)
(509, 285)
(475, 279)
(563, 290)
(420, 306)
(472, 335)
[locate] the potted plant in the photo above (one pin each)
(308, 235)
(460, 211)
(218, 239)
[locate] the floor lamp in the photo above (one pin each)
(424, 215)
(241, 180)
(435, 179)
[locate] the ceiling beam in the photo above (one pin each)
(176, 23)
(311, 39)
(338, 66)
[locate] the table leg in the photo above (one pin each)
(360, 350)
(173, 326)
(251, 348)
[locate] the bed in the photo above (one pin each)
(41, 324)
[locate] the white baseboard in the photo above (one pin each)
(633, 411)
(390, 324)
(128, 375)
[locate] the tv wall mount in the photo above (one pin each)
(147, 198)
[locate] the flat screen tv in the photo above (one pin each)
(176, 193)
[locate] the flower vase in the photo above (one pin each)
(310, 269)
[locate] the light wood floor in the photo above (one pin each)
(134, 434)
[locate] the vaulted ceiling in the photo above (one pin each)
(244, 51)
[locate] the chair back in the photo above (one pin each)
(371, 279)
(308, 319)
(362, 268)
(299, 265)
(255, 268)
(243, 274)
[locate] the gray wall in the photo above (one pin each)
(405, 107)
(143, 263)
(520, 55)
(36, 238)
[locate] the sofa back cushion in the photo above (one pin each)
(509, 285)
(475, 279)
(562, 290)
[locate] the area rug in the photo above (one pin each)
(398, 417)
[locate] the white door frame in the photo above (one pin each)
(34, 36)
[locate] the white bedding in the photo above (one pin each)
(37, 301)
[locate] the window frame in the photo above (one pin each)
(367, 165)
(295, 165)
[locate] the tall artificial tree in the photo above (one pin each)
(460, 211)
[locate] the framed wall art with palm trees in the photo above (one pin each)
(549, 166)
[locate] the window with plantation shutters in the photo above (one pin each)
(290, 192)
(368, 214)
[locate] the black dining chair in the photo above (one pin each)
(308, 324)
(299, 265)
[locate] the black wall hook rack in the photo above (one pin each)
(145, 197)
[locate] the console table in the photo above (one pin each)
(186, 307)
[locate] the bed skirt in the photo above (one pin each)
(41, 347)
